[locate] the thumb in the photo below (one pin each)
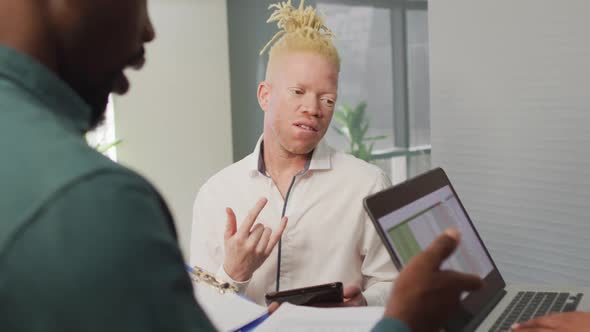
(231, 225)
(442, 247)
(273, 307)
(351, 291)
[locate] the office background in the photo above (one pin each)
(496, 92)
(510, 106)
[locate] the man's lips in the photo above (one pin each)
(137, 64)
(306, 126)
(138, 60)
(121, 84)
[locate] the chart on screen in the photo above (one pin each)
(441, 211)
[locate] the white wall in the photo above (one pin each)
(175, 122)
(510, 96)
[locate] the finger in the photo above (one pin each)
(442, 247)
(351, 291)
(263, 243)
(518, 327)
(462, 281)
(545, 322)
(274, 239)
(251, 217)
(532, 329)
(357, 301)
(273, 307)
(230, 226)
(255, 236)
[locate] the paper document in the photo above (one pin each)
(290, 317)
(229, 311)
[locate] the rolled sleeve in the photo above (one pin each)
(242, 285)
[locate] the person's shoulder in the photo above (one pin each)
(110, 198)
(114, 178)
(110, 229)
(348, 164)
(80, 164)
(98, 173)
(230, 175)
(109, 203)
(104, 188)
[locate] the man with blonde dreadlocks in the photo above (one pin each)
(293, 174)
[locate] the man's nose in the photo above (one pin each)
(149, 33)
(312, 106)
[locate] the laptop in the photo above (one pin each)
(410, 215)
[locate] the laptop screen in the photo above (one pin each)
(410, 215)
(412, 228)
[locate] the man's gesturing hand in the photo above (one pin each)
(425, 296)
(248, 247)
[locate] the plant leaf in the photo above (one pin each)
(340, 117)
(108, 146)
(375, 138)
(341, 131)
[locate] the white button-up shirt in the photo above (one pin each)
(329, 236)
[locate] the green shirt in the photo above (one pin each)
(390, 325)
(85, 244)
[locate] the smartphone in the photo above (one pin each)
(326, 293)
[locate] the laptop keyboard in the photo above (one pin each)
(528, 305)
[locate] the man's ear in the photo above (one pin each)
(263, 95)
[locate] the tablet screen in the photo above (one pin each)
(414, 226)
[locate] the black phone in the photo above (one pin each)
(326, 293)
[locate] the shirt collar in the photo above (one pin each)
(42, 83)
(321, 158)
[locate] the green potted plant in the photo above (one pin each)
(354, 125)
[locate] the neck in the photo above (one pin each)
(24, 28)
(280, 162)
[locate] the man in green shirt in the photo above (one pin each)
(85, 244)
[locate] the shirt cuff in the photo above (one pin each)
(391, 325)
(242, 285)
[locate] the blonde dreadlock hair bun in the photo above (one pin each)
(300, 29)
